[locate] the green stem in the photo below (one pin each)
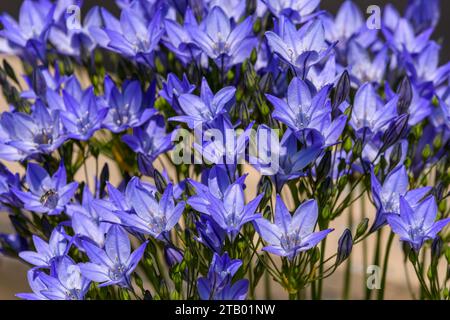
(385, 266)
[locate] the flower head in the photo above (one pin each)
(290, 235)
(218, 284)
(46, 194)
(415, 225)
(113, 264)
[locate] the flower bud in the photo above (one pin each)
(160, 182)
(345, 246)
(341, 91)
(361, 228)
(172, 256)
(436, 250)
(324, 166)
(405, 95)
(396, 131)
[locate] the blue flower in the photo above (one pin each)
(291, 160)
(299, 48)
(207, 107)
(218, 284)
(92, 219)
(46, 194)
(308, 114)
(30, 33)
(83, 114)
(387, 195)
(65, 282)
(149, 141)
(129, 108)
(173, 88)
(298, 11)
(210, 233)
(369, 113)
(232, 213)
(417, 224)
(180, 41)
(151, 216)
(226, 46)
(45, 253)
(290, 235)
(135, 39)
(114, 264)
(23, 135)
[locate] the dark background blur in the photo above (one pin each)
(12, 7)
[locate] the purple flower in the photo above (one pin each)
(210, 233)
(291, 159)
(370, 114)
(207, 107)
(149, 141)
(65, 282)
(83, 114)
(364, 68)
(415, 225)
(129, 108)
(387, 195)
(218, 284)
(46, 252)
(151, 216)
(226, 46)
(308, 114)
(232, 213)
(30, 33)
(23, 135)
(403, 38)
(290, 235)
(298, 11)
(70, 36)
(424, 67)
(299, 48)
(114, 264)
(423, 13)
(234, 9)
(180, 41)
(46, 194)
(135, 39)
(8, 181)
(92, 218)
(173, 88)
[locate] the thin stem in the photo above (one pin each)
(385, 266)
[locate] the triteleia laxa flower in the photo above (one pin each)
(46, 194)
(151, 216)
(299, 48)
(290, 235)
(387, 195)
(65, 282)
(218, 284)
(129, 108)
(46, 252)
(227, 46)
(113, 264)
(207, 107)
(415, 225)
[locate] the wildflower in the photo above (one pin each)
(46, 194)
(114, 264)
(415, 225)
(218, 284)
(290, 235)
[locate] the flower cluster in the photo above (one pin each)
(338, 111)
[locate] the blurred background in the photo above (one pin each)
(13, 272)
